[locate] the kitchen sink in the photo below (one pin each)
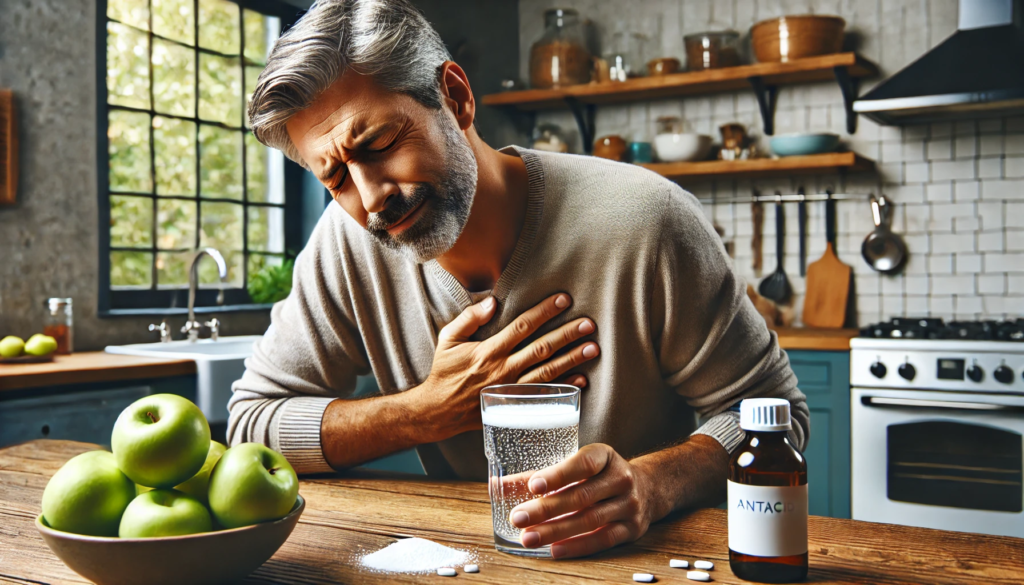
(218, 364)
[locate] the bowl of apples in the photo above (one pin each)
(168, 505)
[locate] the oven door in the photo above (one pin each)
(938, 460)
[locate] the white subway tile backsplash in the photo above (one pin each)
(892, 152)
(990, 144)
(991, 242)
(1015, 284)
(939, 149)
(965, 147)
(990, 168)
(913, 151)
(956, 169)
(1014, 144)
(1015, 240)
(966, 190)
(939, 192)
(955, 285)
(1005, 189)
(916, 284)
(940, 306)
(967, 263)
(968, 307)
(1014, 214)
(992, 284)
(952, 243)
(1013, 167)
(1005, 262)
(966, 224)
(916, 172)
(940, 264)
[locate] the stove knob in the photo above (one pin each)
(1004, 374)
(975, 373)
(907, 371)
(878, 369)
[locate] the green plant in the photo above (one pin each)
(271, 283)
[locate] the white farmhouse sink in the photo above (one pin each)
(218, 364)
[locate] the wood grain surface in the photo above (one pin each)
(354, 514)
(90, 366)
(832, 162)
(689, 83)
(817, 339)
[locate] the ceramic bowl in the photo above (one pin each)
(800, 144)
(795, 37)
(210, 557)
(682, 147)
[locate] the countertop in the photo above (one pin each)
(88, 367)
(816, 339)
(352, 514)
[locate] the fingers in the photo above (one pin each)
(552, 369)
(526, 324)
(548, 344)
(576, 498)
(577, 380)
(603, 538)
(581, 522)
(466, 324)
(587, 462)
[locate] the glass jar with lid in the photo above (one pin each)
(560, 58)
(59, 324)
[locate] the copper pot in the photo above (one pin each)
(611, 147)
(794, 37)
(663, 66)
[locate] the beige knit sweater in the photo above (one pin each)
(679, 339)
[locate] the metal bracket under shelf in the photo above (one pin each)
(766, 97)
(848, 87)
(787, 198)
(584, 114)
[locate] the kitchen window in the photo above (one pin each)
(182, 169)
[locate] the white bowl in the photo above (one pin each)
(682, 147)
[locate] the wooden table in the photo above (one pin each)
(88, 367)
(355, 514)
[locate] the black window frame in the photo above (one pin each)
(157, 301)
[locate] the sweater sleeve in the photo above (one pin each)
(309, 356)
(714, 348)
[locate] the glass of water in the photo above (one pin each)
(527, 427)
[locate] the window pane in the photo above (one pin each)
(258, 262)
(266, 229)
(221, 227)
(265, 168)
(174, 82)
(131, 222)
(221, 166)
(260, 33)
(176, 225)
(218, 26)
(174, 19)
(172, 269)
(208, 272)
(127, 66)
(252, 75)
(220, 89)
(131, 269)
(133, 12)
(128, 136)
(175, 156)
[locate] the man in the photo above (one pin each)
(444, 266)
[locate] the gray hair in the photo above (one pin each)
(389, 40)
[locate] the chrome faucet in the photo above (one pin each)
(192, 326)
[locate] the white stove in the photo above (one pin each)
(937, 425)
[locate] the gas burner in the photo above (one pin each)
(932, 328)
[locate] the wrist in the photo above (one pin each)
(658, 503)
(417, 407)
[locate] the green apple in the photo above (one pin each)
(161, 440)
(40, 345)
(87, 495)
(164, 513)
(11, 346)
(252, 483)
(198, 485)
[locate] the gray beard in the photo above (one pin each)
(446, 204)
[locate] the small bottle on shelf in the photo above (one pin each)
(59, 324)
(767, 497)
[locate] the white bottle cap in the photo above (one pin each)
(764, 414)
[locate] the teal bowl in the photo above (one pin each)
(803, 144)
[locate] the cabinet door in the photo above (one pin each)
(86, 416)
(824, 376)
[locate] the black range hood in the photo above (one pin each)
(976, 73)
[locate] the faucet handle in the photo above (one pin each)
(191, 329)
(214, 326)
(165, 331)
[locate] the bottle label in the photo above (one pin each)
(767, 521)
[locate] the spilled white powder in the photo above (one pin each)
(415, 555)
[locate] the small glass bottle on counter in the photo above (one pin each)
(59, 324)
(767, 497)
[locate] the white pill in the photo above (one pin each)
(471, 569)
(643, 577)
(706, 565)
(446, 572)
(698, 576)
(678, 564)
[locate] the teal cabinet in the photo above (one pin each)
(824, 376)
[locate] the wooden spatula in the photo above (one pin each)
(8, 149)
(828, 281)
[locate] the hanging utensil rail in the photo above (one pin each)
(789, 198)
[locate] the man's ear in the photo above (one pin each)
(457, 94)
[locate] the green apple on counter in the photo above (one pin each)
(88, 495)
(40, 345)
(164, 513)
(11, 346)
(198, 485)
(250, 484)
(160, 441)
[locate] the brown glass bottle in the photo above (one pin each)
(767, 459)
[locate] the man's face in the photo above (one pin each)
(404, 171)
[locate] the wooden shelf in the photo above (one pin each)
(693, 83)
(765, 167)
